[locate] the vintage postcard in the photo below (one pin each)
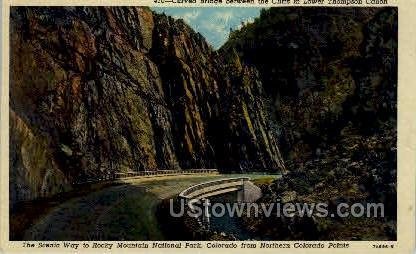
(208, 126)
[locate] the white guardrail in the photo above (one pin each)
(134, 174)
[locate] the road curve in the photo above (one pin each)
(122, 212)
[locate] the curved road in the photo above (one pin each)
(122, 212)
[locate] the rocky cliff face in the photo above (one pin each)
(327, 70)
(332, 75)
(94, 91)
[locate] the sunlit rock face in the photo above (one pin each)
(95, 91)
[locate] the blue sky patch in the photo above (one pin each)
(213, 23)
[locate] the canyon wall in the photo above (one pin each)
(95, 91)
(330, 72)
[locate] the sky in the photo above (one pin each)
(213, 23)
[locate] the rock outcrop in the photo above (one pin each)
(95, 91)
(324, 69)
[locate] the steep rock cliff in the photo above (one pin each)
(327, 70)
(97, 91)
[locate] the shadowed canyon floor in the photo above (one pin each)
(122, 212)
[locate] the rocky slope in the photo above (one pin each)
(94, 91)
(332, 75)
